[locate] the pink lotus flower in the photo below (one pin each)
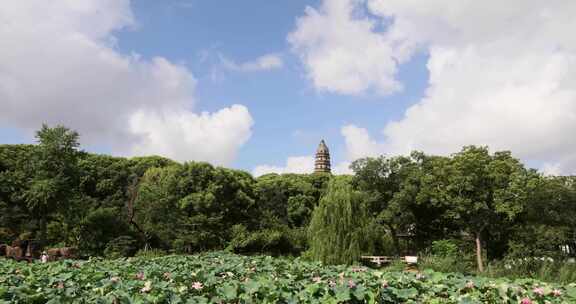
(317, 279)
(351, 284)
(197, 285)
(140, 276)
(539, 291)
(115, 279)
(526, 301)
(556, 293)
(60, 285)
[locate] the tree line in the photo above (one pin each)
(485, 203)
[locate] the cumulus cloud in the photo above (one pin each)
(294, 164)
(183, 135)
(59, 64)
(551, 169)
(502, 75)
(342, 168)
(358, 143)
(300, 165)
(262, 63)
(342, 52)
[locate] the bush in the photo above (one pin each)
(278, 241)
(566, 273)
(5, 236)
(454, 263)
(544, 269)
(122, 246)
(100, 228)
(444, 248)
(150, 253)
(396, 266)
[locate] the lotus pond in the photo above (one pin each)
(227, 278)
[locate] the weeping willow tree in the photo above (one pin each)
(337, 229)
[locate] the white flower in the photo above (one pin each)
(147, 287)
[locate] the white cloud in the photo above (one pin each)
(183, 135)
(59, 64)
(300, 165)
(358, 143)
(501, 74)
(262, 63)
(294, 164)
(342, 168)
(341, 51)
(551, 169)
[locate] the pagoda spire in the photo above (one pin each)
(322, 162)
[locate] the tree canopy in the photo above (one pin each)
(487, 202)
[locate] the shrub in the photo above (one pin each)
(122, 246)
(544, 268)
(99, 228)
(5, 236)
(454, 263)
(150, 253)
(396, 266)
(271, 241)
(444, 248)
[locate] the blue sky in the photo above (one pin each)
(337, 68)
(290, 116)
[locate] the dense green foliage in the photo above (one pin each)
(226, 278)
(485, 203)
(488, 205)
(105, 203)
(338, 225)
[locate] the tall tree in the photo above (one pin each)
(15, 176)
(338, 224)
(548, 223)
(54, 164)
(192, 207)
(487, 191)
(385, 180)
(425, 192)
